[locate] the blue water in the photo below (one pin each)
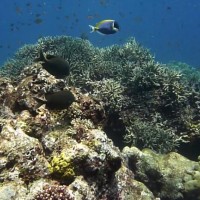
(169, 28)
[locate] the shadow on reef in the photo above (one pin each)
(115, 128)
(190, 150)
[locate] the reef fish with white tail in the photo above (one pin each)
(57, 100)
(55, 65)
(105, 27)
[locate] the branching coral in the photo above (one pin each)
(131, 51)
(110, 92)
(23, 57)
(150, 135)
(76, 51)
(143, 77)
(189, 73)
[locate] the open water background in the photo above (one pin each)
(169, 28)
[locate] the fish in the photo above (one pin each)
(55, 65)
(56, 100)
(38, 20)
(105, 27)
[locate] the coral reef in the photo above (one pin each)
(127, 81)
(81, 137)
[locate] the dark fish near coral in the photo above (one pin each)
(57, 100)
(105, 27)
(55, 65)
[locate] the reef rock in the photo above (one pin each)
(170, 176)
(51, 153)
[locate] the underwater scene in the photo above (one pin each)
(100, 100)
